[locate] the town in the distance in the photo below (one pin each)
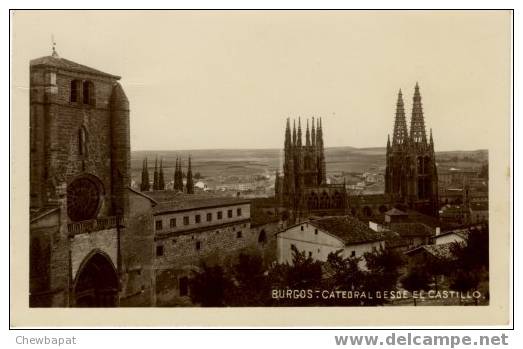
(304, 225)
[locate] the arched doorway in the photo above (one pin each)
(96, 283)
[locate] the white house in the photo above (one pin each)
(458, 235)
(321, 236)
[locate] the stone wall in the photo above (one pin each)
(137, 246)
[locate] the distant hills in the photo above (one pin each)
(222, 162)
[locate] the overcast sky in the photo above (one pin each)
(229, 80)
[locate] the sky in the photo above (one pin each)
(221, 79)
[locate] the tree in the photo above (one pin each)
(416, 280)
(383, 271)
(438, 266)
(472, 263)
(345, 274)
(209, 287)
(250, 284)
(303, 274)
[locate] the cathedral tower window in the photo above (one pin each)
(73, 94)
(88, 93)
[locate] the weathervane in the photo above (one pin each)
(55, 54)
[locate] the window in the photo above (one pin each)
(315, 231)
(198, 245)
(239, 234)
(301, 228)
(159, 225)
(353, 254)
(229, 213)
(73, 94)
(186, 220)
(183, 284)
(238, 212)
(172, 223)
(88, 90)
(293, 246)
(219, 215)
(82, 141)
(159, 250)
(262, 238)
(310, 254)
(209, 217)
(197, 218)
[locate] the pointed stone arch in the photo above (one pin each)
(96, 283)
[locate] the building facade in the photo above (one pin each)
(411, 175)
(195, 229)
(80, 199)
(322, 236)
(303, 188)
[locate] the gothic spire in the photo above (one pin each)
(417, 123)
(307, 135)
(321, 154)
(298, 143)
(189, 184)
(400, 133)
(288, 134)
(294, 132)
(313, 134)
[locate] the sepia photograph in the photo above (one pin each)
(270, 161)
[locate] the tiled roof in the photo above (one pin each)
(442, 251)
(169, 201)
(411, 229)
(463, 233)
(66, 64)
(349, 229)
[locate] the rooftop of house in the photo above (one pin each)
(411, 216)
(347, 228)
(442, 251)
(171, 201)
(65, 64)
(412, 229)
(463, 233)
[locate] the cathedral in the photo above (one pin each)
(411, 177)
(303, 188)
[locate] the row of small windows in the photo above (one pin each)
(197, 246)
(197, 219)
(82, 91)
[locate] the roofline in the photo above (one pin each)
(198, 207)
(143, 195)
(332, 234)
(46, 213)
(98, 73)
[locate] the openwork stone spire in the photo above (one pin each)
(417, 123)
(400, 133)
